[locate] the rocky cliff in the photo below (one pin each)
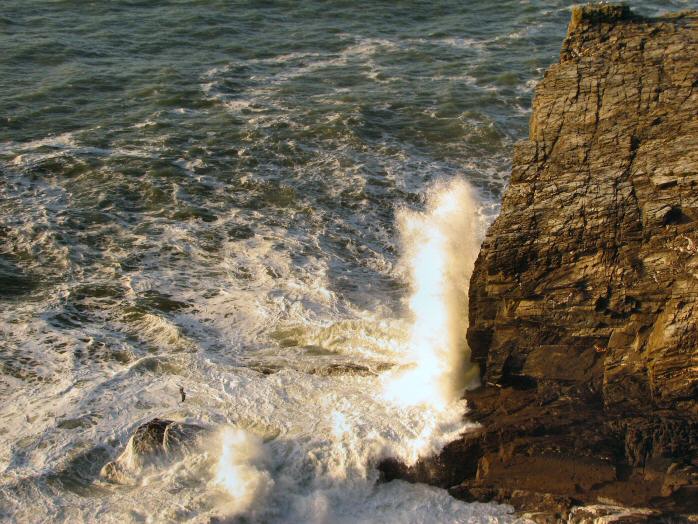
(583, 302)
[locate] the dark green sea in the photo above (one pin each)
(274, 205)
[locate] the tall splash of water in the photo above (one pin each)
(439, 247)
(240, 470)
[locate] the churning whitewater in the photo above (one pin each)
(297, 433)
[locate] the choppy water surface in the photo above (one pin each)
(239, 198)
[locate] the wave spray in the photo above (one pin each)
(439, 247)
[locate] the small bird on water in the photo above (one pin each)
(182, 393)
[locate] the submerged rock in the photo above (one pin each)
(154, 442)
(584, 298)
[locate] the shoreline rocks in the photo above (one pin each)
(583, 301)
(154, 442)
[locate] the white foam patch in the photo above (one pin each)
(28, 154)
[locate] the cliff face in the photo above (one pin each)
(590, 275)
(583, 302)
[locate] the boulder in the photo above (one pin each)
(155, 442)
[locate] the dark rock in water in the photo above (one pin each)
(584, 298)
(154, 442)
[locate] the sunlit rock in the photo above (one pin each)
(583, 304)
(154, 442)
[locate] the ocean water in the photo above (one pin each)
(274, 205)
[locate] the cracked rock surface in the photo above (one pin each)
(584, 298)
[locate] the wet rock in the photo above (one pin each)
(584, 297)
(154, 442)
(609, 514)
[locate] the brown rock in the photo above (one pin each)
(156, 441)
(584, 297)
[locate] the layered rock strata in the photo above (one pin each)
(584, 298)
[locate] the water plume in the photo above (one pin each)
(240, 470)
(439, 247)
